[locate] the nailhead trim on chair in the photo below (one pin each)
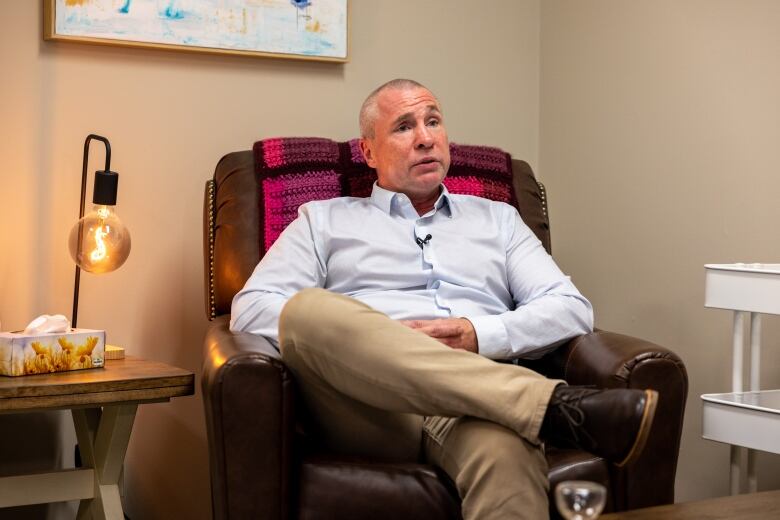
(212, 298)
(544, 199)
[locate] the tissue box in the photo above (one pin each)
(23, 354)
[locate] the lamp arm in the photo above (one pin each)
(84, 162)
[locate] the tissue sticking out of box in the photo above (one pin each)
(45, 324)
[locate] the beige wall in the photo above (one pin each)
(657, 140)
(170, 117)
(660, 124)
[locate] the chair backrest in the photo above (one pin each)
(236, 228)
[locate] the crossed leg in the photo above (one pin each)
(368, 380)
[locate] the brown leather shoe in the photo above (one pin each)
(613, 424)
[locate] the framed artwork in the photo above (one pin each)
(299, 29)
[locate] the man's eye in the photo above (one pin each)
(433, 122)
(402, 128)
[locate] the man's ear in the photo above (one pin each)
(366, 146)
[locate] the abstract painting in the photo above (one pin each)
(303, 29)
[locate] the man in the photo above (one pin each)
(424, 289)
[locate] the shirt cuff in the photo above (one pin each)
(492, 336)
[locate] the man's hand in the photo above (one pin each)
(454, 332)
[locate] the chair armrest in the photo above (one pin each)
(611, 360)
(248, 398)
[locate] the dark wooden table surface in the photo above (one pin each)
(754, 506)
(121, 380)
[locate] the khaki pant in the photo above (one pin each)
(378, 388)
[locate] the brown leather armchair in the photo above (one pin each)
(263, 463)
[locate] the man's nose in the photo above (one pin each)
(423, 137)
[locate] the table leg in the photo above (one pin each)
(738, 342)
(755, 386)
(86, 421)
(734, 473)
(103, 437)
(755, 352)
(751, 471)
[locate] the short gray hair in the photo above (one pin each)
(368, 111)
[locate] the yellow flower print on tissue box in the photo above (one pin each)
(24, 354)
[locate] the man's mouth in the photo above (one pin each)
(426, 160)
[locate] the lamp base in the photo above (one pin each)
(114, 352)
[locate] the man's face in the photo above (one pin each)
(409, 149)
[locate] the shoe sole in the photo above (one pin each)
(651, 401)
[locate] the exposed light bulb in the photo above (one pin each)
(99, 242)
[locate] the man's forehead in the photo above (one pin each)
(399, 101)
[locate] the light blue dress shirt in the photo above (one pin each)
(482, 263)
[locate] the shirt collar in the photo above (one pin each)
(384, 200)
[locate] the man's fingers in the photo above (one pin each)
(441, 330)
(419, 324)
(457, 333)
(450, 341)
(454, 342)
(414, 324)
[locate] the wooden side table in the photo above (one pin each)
(103, 402)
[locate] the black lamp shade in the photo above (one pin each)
(105, 189)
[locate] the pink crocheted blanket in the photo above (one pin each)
(294, 170)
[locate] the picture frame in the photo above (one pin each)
(293, 29)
